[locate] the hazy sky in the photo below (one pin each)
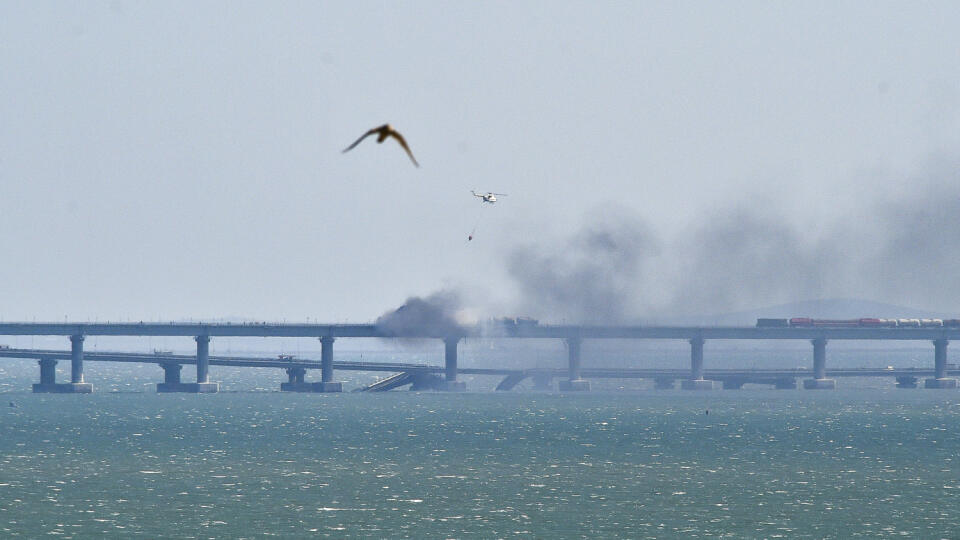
(179, 159)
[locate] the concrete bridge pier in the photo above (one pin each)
(575, 383)
(450, 382)
(819, 380)
(327, 383)
(203, 385)
(663, 383)
(295, 381)
(906, 381)
(785, 383)
(733, 384)
(696, 380)
(171, 377)
(48, 376)
(940, 367)
(76, 365)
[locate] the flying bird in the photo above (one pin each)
(382, 133)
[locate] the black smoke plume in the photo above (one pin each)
(434, 315)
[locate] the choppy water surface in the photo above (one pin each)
(763, 463)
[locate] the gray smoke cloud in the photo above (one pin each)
(589, 278)
(745, 259)
(899, 250)
(919, 256)
(433, 315)
(616, 270)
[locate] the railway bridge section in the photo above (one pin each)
(573, 378)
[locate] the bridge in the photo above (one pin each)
(696, 378)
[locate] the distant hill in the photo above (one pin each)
(833, 308)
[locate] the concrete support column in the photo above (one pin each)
(819, 380)
(574, 382)
(48, 371)
(786, 383)
(76, 384)
(733, 384)
(940, 358)
(203, 359)
(663, 383)
(819, 358)
(48, 377)
(940, 367)
(450, 358)
(171, 373)
(906, 381)
(326, 358)
(573, 358)
(326, 383)
(76, 358)
(450, 366)
(696, 358)
(696, 381)
(295, 381)
(296, 374)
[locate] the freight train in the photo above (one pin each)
(806, 322)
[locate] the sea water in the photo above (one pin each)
(866, 460)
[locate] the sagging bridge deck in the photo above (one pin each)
(407, 373)
(695, 378)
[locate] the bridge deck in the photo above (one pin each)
(539, 331)
(588, 372)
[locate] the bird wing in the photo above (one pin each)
(364, 136)
(403, 143)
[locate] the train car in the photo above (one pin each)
(837, 323)
(863, 322)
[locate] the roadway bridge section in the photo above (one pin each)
(697, 378)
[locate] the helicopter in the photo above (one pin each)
(488, 197)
